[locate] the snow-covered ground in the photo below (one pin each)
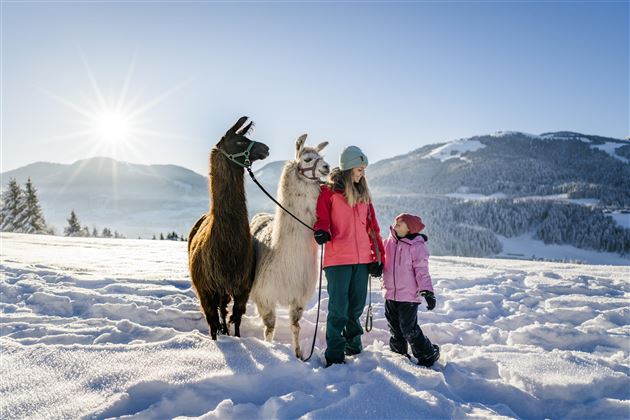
(555, 197)
(454, 149)
(557, 136)
(611, 149)
(476, 196)
(526, 247)
(99, 328)
(622, 219)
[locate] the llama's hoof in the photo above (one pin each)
(299, 354)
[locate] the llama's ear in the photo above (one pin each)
(299, 144)
(246, 130)
(236, 126)
(321, 146)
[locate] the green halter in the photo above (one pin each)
(246, 162)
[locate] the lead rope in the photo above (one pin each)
(369, 316)
(319, 299)
(251, 174)
(321, 255)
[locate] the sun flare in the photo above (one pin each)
(112, 127)
(115, 125)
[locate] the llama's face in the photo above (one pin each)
(312, 159)
(235, 141)
(311, 163)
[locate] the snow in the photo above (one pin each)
(102, 328)
(454, 149)
(562, 197)
(508, 133)
(610, 149)
(525, 246)
(556, 136)
(622, 219)
(475, 196)
(590, 202)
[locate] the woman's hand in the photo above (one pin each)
(375, 269)
(321, 236)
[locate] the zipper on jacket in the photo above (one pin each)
(394, 271)
(354, 224)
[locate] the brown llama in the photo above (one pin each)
(220, 249)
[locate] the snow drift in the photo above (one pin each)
(99, 328)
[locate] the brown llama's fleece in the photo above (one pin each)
(220, 249)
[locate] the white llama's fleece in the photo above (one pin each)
(287, 266)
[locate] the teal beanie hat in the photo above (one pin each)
(352, 157)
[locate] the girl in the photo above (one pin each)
(406, 278)
(347, 224)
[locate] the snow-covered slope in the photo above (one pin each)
(454, 149)
(566, 186)
(508, 170)
(101, 328)
(136, 200)
(608, 145)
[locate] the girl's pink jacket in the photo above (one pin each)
(349, 228)
(406, 270)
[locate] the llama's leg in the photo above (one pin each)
(268, 316)
(209, 304)
(296, 311)
(225, 300)
(239, 308)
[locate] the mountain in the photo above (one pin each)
(134, 199)
(516, 164)
(476, 195)
(268, 176)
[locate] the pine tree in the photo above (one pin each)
(74, 227)
(153, 237)
(13, 206)
(161, 236)
(94, 232)
(107, 233)
(33, 219)
(85, 232)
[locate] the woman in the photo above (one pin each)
(347, 224)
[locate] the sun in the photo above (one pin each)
(112, 127)
(115, 125)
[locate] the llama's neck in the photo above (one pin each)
(227, 191)
(299, 196)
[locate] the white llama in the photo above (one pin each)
(286, 253)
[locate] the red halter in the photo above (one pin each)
(303, 171)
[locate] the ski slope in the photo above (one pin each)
(99, 328)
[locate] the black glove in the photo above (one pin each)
(430, 298)
(375, 269)
(321, 236)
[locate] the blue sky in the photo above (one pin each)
(388, 77)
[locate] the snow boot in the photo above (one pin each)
(428, 361)
(329, 363)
